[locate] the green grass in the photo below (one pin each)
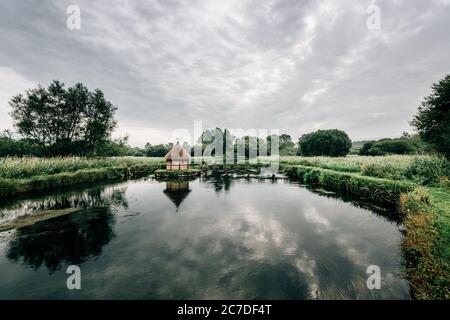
(426, 242)
(424, 170)
(418, 185)
(22, 175)
(440, 197)
(27, 167)
(380, 191)
(350, 163)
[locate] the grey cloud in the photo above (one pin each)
(284, 64)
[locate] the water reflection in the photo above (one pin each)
(177, 191)
(247, 238)
(66, 240)
(219, 182)
(70, 239)
(99, 196)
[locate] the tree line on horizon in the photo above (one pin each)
(60, 121)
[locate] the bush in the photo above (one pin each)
(388, 146)
(385, 171)
(312, 177)
(19, 147)
(159, 150)
(429, 171)
(333, 143)
(382, 191)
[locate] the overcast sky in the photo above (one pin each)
(292, 65)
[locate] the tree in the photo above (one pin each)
(212, 138)
(365, 149)
(287, 146)
(388, 146)
(250, 147)
(159, 150)
(334, 143)
(433, 118)
(64, 121)
(284, 144)
(116, 148)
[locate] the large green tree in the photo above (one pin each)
(333, 143)
(433, 118)
(284, 143)
(63, 120)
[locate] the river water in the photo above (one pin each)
(203, 239)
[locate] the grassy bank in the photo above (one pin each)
(24, 168)
(427, 241)
(421, 193)
(381, 191)
(424, 170)
(22, 175)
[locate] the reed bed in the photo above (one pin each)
(27, 167)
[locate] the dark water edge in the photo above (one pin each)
(204, 239)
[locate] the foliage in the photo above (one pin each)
(10, 187)
(18, 147)
(426, 241)
(24, 168)
(389, 146)
(386, 171)
(159, 150)
(433, 170)
(115, 148)
(64, 121)
(381, 191)
(433, 118)
(425, 170)
(334, 143)
(284, 144)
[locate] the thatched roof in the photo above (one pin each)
(177, 153)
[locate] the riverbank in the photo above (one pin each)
(25, 175)
(425, 211)
(427, 241)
